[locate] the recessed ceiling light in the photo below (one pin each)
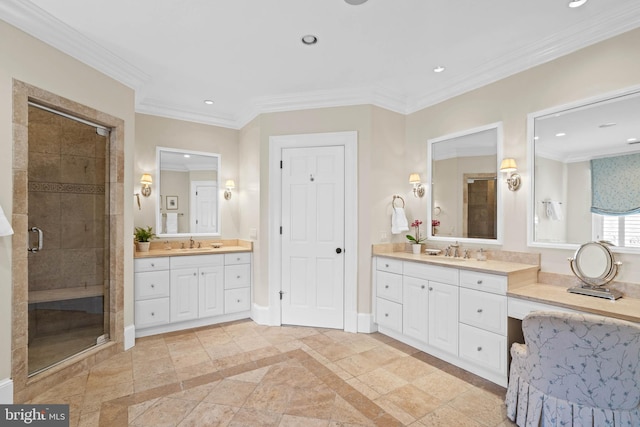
(607, 125)
(438, 69)
(309, 39)
(576, 3)
(208, 102)
(355, 2)
(560, 134)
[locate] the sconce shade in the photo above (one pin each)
(508, 165)
(5, 227)
(230, 184)
(146, 179)
(414, 178)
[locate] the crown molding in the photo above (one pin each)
(40, 24)
(29, 18)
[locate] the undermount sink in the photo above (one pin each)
(195, 249)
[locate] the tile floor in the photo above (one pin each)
(244, 374)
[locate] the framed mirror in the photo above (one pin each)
(464, 191)
(188, 196)
(584, 159)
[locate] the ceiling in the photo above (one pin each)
(247, 55)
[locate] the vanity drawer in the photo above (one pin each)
(483, 282)
(152, 312)
(484, 310)
(389, 314)
(237, 258)
(150, 264)
(152, 284)
(389, 286)
(237, 300)
(237, 276)
(389, 265)
(483, 348)
(431, 272)
(197, 261)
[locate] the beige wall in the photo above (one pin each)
(154, 131)
(27, 59)
(601, 68)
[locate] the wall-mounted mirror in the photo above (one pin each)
(585, 158)
(188, 196)
(465, 190)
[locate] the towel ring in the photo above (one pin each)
(393, 203)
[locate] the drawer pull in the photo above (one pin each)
(196, 274)
(152, 313)
(479, 348)
(386, 315)
(386, 286)
(153, 286)
(479, 282)
(237, 277)
(153, 265)
(422, 287)
(479, 310)
(386, 265)
(238, 301)
(430, 288)
(237, 259)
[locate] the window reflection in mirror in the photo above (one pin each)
(564, 141)
(464, 194)
(188, 201)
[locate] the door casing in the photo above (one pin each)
(349, 140)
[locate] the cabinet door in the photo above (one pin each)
(184, 294)
(211, 295)
(415, 308)
(443, 317)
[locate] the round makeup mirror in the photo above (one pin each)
(594, 265)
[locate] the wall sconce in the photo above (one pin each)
(5, 227)
(146, 182)
(230, 184)
(509, 166)
(418, 188)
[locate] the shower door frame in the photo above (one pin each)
(25, 386)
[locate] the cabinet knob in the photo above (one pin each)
(237, 277)
(479, 310)
(430, 288)
(386, 265)
(479, 282)
(152, 313)
(238, 301)
(202, 273)
(153, 286)
(194, 274)
(386, 315)
(479, 349)
(153, 265)
(422, 286)
(386, 286)
(237, 259)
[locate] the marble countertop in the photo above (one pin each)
(489, 266)
(153, 253)
(625, 308)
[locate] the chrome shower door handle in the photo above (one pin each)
(40, 237)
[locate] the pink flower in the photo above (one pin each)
(435, 222)
(417, 239)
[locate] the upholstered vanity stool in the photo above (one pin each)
(575, 370)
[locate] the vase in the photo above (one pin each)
(143, 246)
(416, 248)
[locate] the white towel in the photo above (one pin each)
(554, 211)
(172, 222)
(5, 226)
(399, 221)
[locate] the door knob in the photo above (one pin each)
(338, 250)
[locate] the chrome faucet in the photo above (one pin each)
(466, 254)
(447, 251)
(192, 243)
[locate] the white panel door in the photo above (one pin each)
(313, 236)
(204, 207)
(211, 295)
(443, 317)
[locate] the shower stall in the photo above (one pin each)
(68, 224)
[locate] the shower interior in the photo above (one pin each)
(68, 216)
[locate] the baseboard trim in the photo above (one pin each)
(260, 314)
(6, 391)
(129, 336)
(366, 324)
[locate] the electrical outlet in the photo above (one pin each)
(384, 236)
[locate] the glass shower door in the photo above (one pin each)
(68, 260)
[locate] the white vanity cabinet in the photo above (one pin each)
(456, 314)
(180, 292)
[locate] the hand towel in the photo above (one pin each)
(5, 226)
(399, 221)
(554, 211)
(172, 222)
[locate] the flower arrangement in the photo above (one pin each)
(417, 239)
(435, 222)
